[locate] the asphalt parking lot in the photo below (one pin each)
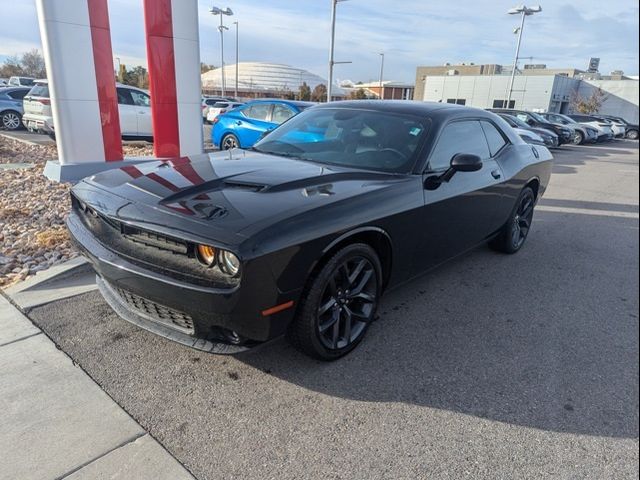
(492, 366)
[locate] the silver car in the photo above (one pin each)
(11, 109)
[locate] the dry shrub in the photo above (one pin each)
(52, 237)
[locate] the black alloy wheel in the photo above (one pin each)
(229, 141)
(339, 305)
(514, 233)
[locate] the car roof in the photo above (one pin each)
(411, 107)
(295, 103)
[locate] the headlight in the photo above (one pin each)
(206, 255)
(228, 263)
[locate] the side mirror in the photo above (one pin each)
(466, 162)
(461, 162)
(530, 122)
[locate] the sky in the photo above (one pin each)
(409, 32)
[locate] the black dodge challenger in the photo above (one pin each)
(302, 234)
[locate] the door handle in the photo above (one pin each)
(496, 174)
(238, 122)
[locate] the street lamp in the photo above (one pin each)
(334, 4)
(381, 74)
(218, 11)
(524, 11)
(237, 50)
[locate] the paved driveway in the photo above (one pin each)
(492, 366)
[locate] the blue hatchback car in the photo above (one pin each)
(243, 126)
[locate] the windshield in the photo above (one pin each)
(39, 90)
(538, 118)
(349, 137)
(568, 119)
(518, 122)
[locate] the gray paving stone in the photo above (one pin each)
(14, 325)
(143, 459)
(53, 417)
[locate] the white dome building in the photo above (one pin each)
(257, 79)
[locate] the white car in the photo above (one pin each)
(21, 81)
(134, 108)
(221, 107)
(605, 132)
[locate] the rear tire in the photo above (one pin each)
(338, 304)
(10, 120)
(514, 233)
(632, 135)
(229, 141)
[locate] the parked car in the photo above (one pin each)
(530, 137)
(11, 109)
(243, 126)
(208, 102)
(37, 108)
(549, 138)
(619, 128)
(219, 108)
(134, 108)
(582, 133)
(21, 81)
(565, 134)
(605, 132)
(303, 234)
(631, 130)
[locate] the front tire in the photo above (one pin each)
(514, 233)
(632, 135)
(578, 138)
(339, 304)
(11, 120)
(229, 141)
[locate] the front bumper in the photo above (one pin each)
(218, 320)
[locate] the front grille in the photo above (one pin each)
(157, 312)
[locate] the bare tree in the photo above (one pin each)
(358, 94)
(590, 104)
(11, 67)
(319, 93)
(32, 63)
(305, 92)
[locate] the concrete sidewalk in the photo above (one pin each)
(57, 423)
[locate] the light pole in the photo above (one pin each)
(334, 4)
(381, 74)
(524, 11)
(218, 11)
(237, 55)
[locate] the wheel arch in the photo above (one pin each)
(534, 184)
(376, 237)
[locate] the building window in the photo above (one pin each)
(502, 103)
(457, 101)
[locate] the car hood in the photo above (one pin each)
(227, 196)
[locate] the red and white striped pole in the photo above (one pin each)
(79, 59)
(77, 49)
(173, 55)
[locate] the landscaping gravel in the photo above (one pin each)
(33, 209)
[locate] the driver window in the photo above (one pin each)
(458, 137)
(140, 99)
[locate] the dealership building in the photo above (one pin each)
(535, 88)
